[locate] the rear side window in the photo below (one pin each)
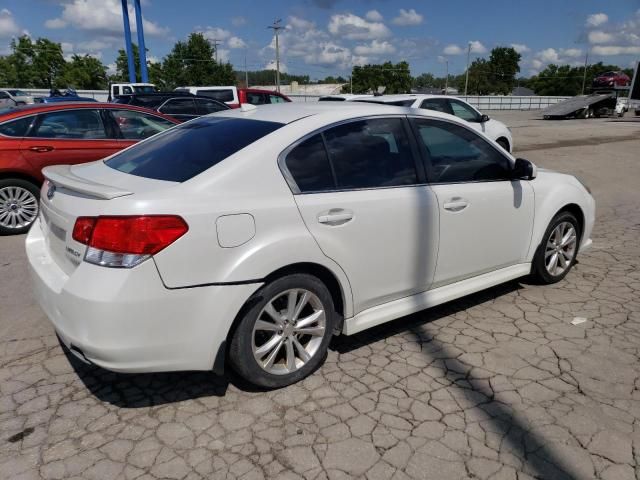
(220, 95)
(191, 148)
(437, 104)
(256, 98)
(309, 166)
(179, 106)
(71, 124)
(210, 106)
(16, 128)
(138, 125)
(371, 153)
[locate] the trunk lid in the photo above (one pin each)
(76, 191)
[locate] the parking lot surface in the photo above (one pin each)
(499, 385)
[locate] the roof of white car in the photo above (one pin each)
(406, 96)
(290, 112)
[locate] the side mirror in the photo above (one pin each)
(484, 118)
(524, 170)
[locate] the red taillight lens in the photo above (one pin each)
(136, 235)
(83, 228)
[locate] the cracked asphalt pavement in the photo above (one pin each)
(498, 385)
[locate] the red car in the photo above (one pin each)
(35, 136)
(611, 79)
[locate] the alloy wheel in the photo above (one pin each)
(18, 207)
(288, 331)
(561, 249)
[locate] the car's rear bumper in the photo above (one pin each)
(126, 320)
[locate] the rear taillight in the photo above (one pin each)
(124, 242)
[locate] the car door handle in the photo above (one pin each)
(335, 217)
(41, 148)
(456, 205)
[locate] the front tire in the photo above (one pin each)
(19, 205)
(557, 252)
(284, 335)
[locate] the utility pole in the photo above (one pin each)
(215, 42)
(584, 76)
(276, 27)
(246, 72)
(351, 81)
(446, 82)
(466, 80)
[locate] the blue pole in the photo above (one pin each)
(141, 47)
(127, 42)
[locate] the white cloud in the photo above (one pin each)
(376, 47)
(353, 27)
(272, 66)
(214, 33)
(238, 21)
(597, 19)
(570, 52)
(374, 16)
(520, 47)
(616, 50)
(8, 25)
(478, 47)
(548, 55)
(299, 23)
(598, 36)
(452, 49)
(407, 18)
(103, 16)
(112, 69)
(55, 23)
(236, 42)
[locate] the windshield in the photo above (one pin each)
(17, 93)
(189, 149)
(144, 89)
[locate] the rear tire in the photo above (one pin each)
(284, 335)
(558, 250)
(19, 205)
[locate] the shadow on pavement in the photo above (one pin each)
(518, 440)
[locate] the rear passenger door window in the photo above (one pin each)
(135, 125)
(437, 104)
(85, 124)
(181, 108)
(371, 153)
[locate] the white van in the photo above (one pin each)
(117, 89)
(228, 95)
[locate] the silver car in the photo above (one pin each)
(18, 96)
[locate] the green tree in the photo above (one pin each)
(480, 79)
(504, 65)
(425, 80)
(567, 80)
(192, 63)
(85, 72)
(394, 78)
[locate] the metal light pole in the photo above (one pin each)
(584, 76)
(276, 27)
(466, 80)
(127, 42)
(446, 82)
(141, 47)
(246, 72)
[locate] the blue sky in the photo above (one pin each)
(327, 37)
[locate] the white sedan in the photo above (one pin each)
(494, 129)
(255, 235)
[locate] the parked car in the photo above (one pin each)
(180, 105)
(234, 96)
(6, 100)
(255, 236)
(69, 95)
(494, 129)
(35, 136)
(611, 79)
(18, 96)
(116, 89)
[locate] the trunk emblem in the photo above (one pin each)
(51, 191)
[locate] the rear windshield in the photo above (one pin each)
(189, 149)
(220, 95)
(397, 103)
